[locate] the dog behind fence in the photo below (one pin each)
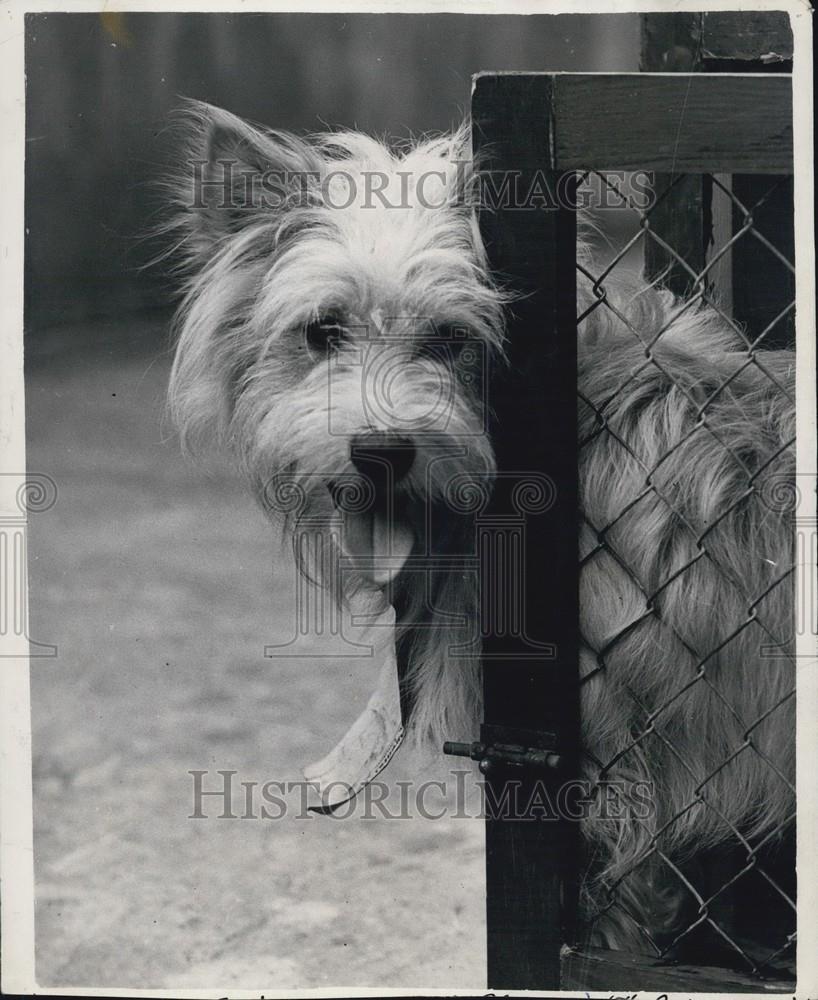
(686, 433)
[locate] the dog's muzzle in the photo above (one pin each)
(375, 530)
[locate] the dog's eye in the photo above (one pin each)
(324, 334)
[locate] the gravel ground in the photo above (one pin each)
(161, 583)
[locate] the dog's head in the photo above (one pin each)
(338, 325)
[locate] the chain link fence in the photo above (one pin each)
(691, 555)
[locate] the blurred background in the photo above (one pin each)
(100, 86)
(158, 580)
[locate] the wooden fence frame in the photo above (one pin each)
(528, 124)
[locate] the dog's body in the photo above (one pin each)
(295, 310)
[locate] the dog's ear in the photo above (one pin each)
(457, 151)
(233, 174)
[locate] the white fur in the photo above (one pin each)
(242, 373)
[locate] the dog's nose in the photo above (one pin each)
(371, 452)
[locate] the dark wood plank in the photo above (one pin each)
(727, 40)
(530, 671)
(746, 36)
(762, 285)
(697, 123)
(681, 219)
(671, 43)
(598, 969)
(697, 218)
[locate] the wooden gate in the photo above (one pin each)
(712, 138)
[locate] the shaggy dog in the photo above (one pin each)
(331, 287)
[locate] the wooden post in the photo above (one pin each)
(529, 668)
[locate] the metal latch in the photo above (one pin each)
(509, 746)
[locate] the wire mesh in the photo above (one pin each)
(709, 873)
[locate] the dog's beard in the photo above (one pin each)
(352, 531)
